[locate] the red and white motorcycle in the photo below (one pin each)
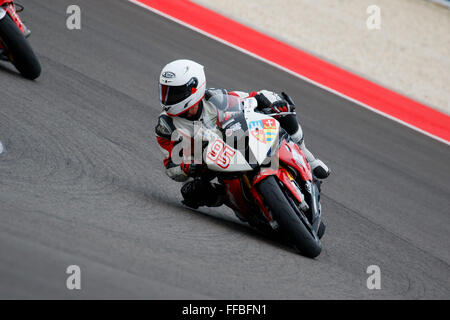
(267, 178)
(14, 46)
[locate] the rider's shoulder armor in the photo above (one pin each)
(165, 126)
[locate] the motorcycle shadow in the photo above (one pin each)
(5, 68)
(228, 221)
(235, 225)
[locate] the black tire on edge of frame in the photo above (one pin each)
(289, 222)
(20, 50)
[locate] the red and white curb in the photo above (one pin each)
(338, 81)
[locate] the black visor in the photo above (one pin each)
(169, 95)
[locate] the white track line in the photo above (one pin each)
(289, 71)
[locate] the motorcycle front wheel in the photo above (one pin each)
(18, 49)
(291, 225)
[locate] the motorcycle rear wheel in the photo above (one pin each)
(291, 225)
(19, 50)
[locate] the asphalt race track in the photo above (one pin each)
(81, 179)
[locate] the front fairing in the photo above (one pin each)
(246, 137)
(291, 154)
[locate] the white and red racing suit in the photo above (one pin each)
(208, 115)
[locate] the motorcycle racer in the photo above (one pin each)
(185, 101)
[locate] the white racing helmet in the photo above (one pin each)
(182, 85)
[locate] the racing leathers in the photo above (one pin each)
(200, 192)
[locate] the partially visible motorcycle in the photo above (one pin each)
(14, 46)
(267, 179)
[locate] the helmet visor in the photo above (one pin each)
(169, 95)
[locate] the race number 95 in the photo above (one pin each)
(221, 154)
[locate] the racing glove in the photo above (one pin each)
(270, 102)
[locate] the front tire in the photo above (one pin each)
(19, 50)
(291, 225)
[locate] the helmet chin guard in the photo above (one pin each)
(182, 84)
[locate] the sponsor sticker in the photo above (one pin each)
(264, 131)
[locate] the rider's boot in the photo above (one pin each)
(19, 8)
(293, 128)
(198, 192)
(320, 169)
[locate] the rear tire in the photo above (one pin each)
(291, 225)
(20, 51)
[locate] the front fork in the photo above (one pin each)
(284, 176)
(10, 9)
(316, 209)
